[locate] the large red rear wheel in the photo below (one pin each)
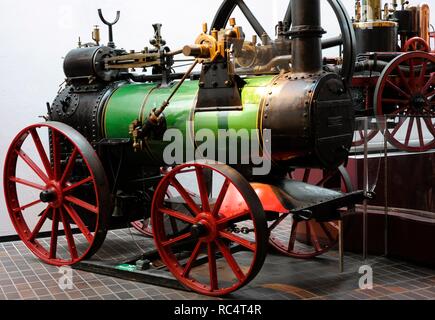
(405, 93)
(55, 186)
(225, 242)
(306, 239)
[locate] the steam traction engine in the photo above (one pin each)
(98, 162)
(395, 72)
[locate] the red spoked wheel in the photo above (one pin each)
(145, 228)
(416, 44)
(55, 185)
(405, 93)
(304, 239)
(360, 137)
(225, 244)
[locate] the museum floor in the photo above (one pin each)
(23, 277)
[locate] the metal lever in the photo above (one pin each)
(110, 44)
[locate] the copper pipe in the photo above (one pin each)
(424, 22)
(371, 10)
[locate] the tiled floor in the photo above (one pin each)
(23, 277)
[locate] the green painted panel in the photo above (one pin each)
(135, 101)
(123, 108)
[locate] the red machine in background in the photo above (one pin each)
(395, 72)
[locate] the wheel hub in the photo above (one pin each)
(418, 101)
(205, 228)
(47, 196)
(52, 195)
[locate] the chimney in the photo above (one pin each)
(306, 34)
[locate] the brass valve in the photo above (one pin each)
(211, 47)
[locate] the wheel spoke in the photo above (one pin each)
(334, 226)
(69, 236)
(288, 15)
(79, 223)
(232, 218)
(307, 174)
(78, 184)
(40, 223)
(423, 73)
(202, 189)
(211, 250)
(69, 166)
(420, 132)
(27, 206)
(176, 239)
(231, 261)
(32, 165)
(398, 126)
(82, 204)
(403, 79)
(313, 237)
(238, 240)
(173, 225)
(395, 101)
(27, 183)
(221, 197)
(403, 93)
(278, 221)
(41, 152)
(430, 126)
(430, 82)
(185, 195)
(54, 231)
(327, 232)
(409, 131)
(56, 154)
(292, 238)
(192, 259)
(177, 215)
(259, 30)
(325, 179)
(411, 73)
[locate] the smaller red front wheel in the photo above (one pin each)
(224, 242)
(55, 185)
(416, 44)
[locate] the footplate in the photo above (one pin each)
(313, 202)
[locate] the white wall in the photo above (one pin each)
(35, 35)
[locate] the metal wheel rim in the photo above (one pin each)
(256, 215)
(405, 90)
(65, 211)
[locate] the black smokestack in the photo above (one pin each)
(306, 33)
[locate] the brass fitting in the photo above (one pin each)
(96, 35)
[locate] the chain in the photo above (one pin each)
(244, 230)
